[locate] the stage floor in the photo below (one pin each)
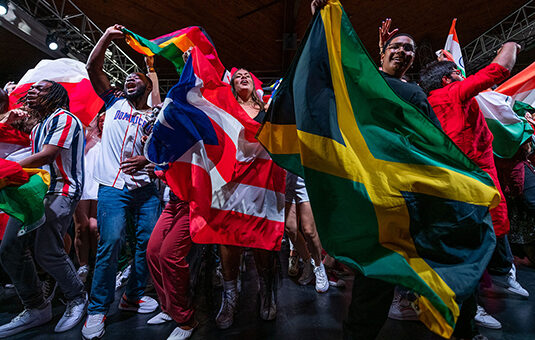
(301, 314)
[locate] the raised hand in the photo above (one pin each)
(384, 33)
(317, 5)
(115, 32)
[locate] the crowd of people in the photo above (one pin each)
(126, 220)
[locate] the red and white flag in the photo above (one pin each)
(84, 102)
(235, 190)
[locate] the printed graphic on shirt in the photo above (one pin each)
(121, 140)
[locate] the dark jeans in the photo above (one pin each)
(115, 206)
(47, 242)
(369, 308)
(502, 258)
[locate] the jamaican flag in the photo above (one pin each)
(171, 46)
(392, 195)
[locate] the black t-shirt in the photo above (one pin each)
(260, 116)
(413, 94)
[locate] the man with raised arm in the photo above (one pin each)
(125, 190)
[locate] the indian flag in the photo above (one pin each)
(453, 46)
(509, 130)
(521, 87)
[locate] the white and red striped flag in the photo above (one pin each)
(84, 102)
(453, 46)
(235, 190)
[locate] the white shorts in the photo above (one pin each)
(90, 191)
(295, 189)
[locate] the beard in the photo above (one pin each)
(140, 91)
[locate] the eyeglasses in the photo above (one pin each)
(407, 47)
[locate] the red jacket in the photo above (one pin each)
(462, 120)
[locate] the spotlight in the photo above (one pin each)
(3, 7)
(52, 41)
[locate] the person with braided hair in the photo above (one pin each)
(58, 147)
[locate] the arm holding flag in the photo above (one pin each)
(492, 74)
(95, 63)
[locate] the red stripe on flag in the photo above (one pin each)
(84, 103)
(226, 227)
(262, 173)
(11, 135)
(65, 131)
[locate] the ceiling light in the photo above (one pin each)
(3, 7)
(52, 41)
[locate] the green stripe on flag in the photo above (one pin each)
(25, 202)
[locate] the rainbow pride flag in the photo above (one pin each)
(171, 46)
(392, 195)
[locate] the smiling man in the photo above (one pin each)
(125, 190)
(58, 147)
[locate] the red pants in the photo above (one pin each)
(168, 247)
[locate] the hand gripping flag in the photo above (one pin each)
(173, 45)
(235, 190)
(72, 75)
(21, 194)
(391, 194)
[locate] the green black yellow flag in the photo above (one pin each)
(392, 195)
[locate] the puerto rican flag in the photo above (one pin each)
(84, 102)
(235, 190)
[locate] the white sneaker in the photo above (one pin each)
(322, 282)
(512, 284)
(402, 309)
(225, 316)
(308, 273)
(180, 334)
(483, 319)
(83, 271)
(74, 312)
(29, 318)
(293, 266)
(159, 318)
(144, 305)
(93, 326)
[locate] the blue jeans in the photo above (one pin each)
(114, 207)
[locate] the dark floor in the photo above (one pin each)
(302, 314)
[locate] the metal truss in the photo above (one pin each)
(77, 34)
(518, 26)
